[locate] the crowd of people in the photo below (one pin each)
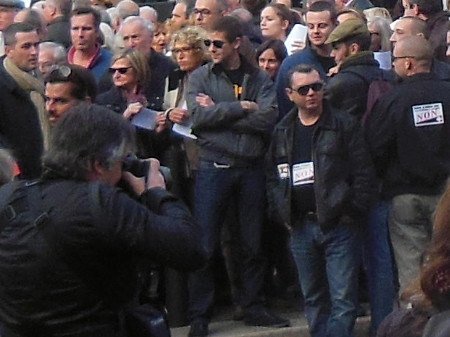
(305, 162)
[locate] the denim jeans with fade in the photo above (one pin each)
(215, 188)
(328, 264)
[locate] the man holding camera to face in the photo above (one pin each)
(70, 242)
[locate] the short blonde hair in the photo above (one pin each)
(377, 12)
(195, 37)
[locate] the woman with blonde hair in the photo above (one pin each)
(160, 39)
(130, 71)
(380, 33)
(189, 52)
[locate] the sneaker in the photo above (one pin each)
(198, 329)
(262, 317)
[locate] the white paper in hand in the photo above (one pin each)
(184, 129)
(145, 119)
(297, 34)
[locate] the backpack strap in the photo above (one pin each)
(7, 211)
(34, 198)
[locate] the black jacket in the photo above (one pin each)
(410, 158)
(150, 143)
(59, 31)
(438, 26)
(78, 286)
(226, 132)
(160, 67)
(347, 90)
(20, 129)
(343, 171)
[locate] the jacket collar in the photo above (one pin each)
(245, 66)
(361, 58)
(418, 77)
(325, 121)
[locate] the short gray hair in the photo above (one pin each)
(148, 26)
(59, 52)
(127, 8)
(87, 134)
(150, 10)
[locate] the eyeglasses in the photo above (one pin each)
(203, 12)
(303, 90)
(395, 58)
(60, 71)
(215, 43)
(122, 70)
(176, 51)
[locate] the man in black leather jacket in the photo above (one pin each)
(320, 185)
(73, 270)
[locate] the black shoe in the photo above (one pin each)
(198, 329)
(261, 317)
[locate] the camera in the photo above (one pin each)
(140, 168)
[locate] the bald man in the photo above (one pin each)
(432, 12)
(127, 8)
(407, 133)
(411, 25)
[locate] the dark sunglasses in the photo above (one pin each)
(305, 89)
(120, 70)
(215, 43)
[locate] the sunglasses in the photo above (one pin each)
(60, 71)
(215, 43)
(303, 90)
(395, 58)
(120, 70)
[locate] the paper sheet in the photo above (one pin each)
(145, 119)
(384, 58)
(298, 33)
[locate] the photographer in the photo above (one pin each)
(70, 243)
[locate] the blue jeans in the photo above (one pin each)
(215, 188)
(379, 265)
(328, 264)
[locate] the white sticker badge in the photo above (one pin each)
(303, 173)
(428, 114)
(283, 171)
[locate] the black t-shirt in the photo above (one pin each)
(302, 171)
(326, 62)
(236, 77)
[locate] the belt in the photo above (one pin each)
(310, 216)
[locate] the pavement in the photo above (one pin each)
(223, 325)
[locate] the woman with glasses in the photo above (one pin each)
(189, 52)
(129, 71)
